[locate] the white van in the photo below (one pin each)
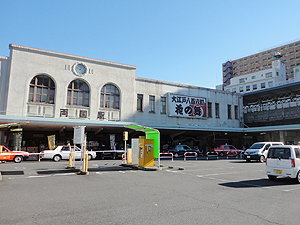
(258, 151)
(283, 161)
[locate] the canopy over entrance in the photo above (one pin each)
(151, 133)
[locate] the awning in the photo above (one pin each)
(151, 133)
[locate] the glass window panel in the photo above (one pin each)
(45, 91)
(52, 83)
(106, 104)
(80, 94)
(52, 92)
(81, 86)
(46, 81)
(74, 101)
(101, 104)
(44, 98)
(87, 94)
(86, 88)
(32, 81)
(75, 94)
(69, 93)
(117, 105)
(86, 102)
(102, 97)
(38, 98)
(117, 91)
(70, 86)
(39, 80)
(108, 88)
(107, 97)
(102, 89)
(111, 105)
(39, 90)
(51, 99)
(31, 90)
(69, 101)
(80, 101)
(31, 97)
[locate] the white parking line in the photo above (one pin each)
(52, 175)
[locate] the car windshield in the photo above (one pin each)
(282, 153)
(179, 147)
(257, 146)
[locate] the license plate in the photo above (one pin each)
(278, 171)
(248, 156)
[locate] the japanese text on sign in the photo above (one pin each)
(187, 106)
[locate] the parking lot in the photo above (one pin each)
(224, 191)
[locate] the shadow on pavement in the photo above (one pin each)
(98, 169)
(110, 168)
(259, 183)
(15, 172)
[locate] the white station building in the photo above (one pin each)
(55, 91)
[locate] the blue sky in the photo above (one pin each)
(170, 40)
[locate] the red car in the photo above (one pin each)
(9, 155)
(225, 150)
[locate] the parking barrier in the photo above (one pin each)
(185, 155)
(167, 155)
(123, 158)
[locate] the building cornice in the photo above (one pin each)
(14, 46)
(3, 57)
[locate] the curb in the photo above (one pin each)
(0, 176)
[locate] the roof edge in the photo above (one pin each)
(11, 46)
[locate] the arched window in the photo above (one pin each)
(78, 93)
(42, 89)
(110, 97)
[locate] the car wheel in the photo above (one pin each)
(262, 159)
(271, 177)
(297, 179)
(18, 159)
(222, 154)
(89, 157)
(56, 158)
(176, 155)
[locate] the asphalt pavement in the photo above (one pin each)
(223, 191)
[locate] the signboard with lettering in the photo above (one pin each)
(79, 134)
(186, 106)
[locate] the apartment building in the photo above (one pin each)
(290, 53)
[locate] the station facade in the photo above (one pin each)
(55, 92)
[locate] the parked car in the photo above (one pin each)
(283, 161)
(258, 151)
(11, 155)
(63, 152)
(225, 150)
(179, 150)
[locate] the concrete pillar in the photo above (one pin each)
(281, 136)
